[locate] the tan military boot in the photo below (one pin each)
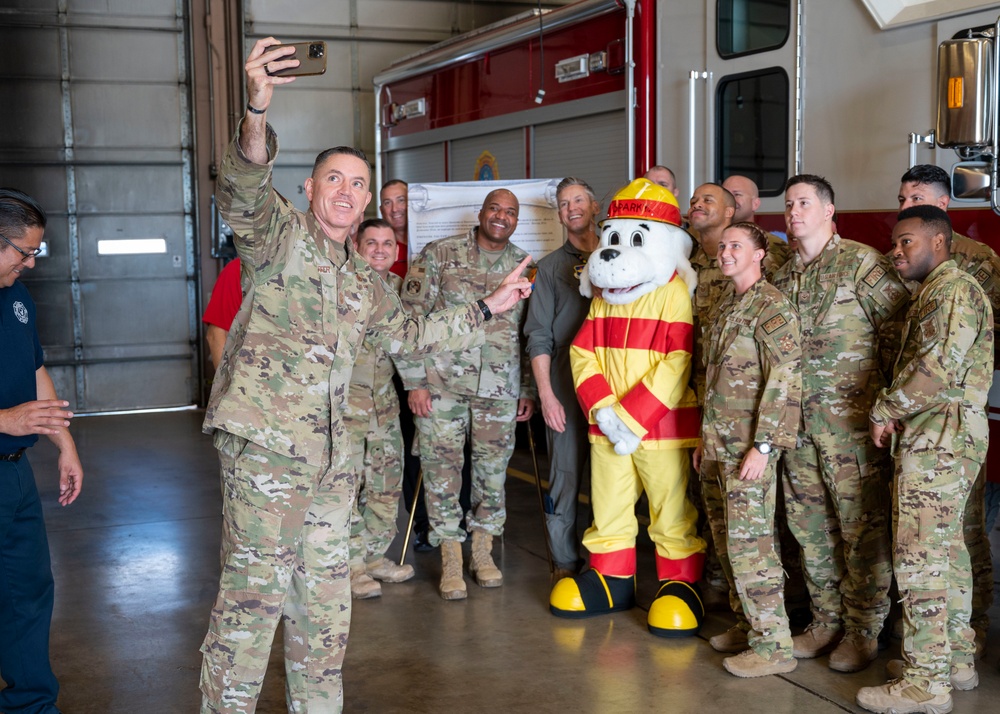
(902, 697)
(854, 653)
(751, 664)
(385, 570)
(487, 574)
(362, 585)
(452, 583)
(815, 641)
(963, 678)
(732, 640)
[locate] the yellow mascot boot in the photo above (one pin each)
(677, 610)
(592, 594)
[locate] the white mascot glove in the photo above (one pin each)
(617, 431)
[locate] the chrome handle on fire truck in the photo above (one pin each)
(693, 76)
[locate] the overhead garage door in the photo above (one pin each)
(97, 127)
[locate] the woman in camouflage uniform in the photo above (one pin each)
(752, 408)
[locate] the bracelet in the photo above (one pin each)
(254, 110)
(487, 314)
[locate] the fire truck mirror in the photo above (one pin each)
(970, 181)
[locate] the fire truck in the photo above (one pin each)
(604, 89)
(855, 90)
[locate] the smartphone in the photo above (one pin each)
(311, 57)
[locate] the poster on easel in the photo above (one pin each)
(440, 210)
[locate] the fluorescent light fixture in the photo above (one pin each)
(131, 246)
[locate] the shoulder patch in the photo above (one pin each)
(874, 275)
(775, 323)
(892, 293)
(927, 309)
(787, 344)
(982, 275)
(413, 286)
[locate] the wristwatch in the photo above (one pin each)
(763, 447)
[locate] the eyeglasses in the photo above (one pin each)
(27, 254)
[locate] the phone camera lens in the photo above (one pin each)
(316, 50)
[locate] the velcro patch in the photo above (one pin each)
(927, 309)
(982, 275)
(413, 286)
(892, 293)
(874, 275)
(776, 322)
(787, 344)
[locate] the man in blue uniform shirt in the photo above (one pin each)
(28, 407)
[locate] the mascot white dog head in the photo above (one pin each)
(642, 245)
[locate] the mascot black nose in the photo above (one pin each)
(609, 254)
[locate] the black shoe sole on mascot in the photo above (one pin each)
(677, 610)
(591, 594)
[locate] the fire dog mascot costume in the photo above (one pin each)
(631, 365)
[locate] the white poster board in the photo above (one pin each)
(440, 210)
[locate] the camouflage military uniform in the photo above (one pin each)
(707, 296)
(473, 391)
(835, 479)
(275, 410)
(753, 392)
(939, 396)
(981, 262)
(555, 312)
(372, 420)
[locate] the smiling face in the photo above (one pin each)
(497, 219)
(635, 257)
(392, 204)
(577, 209)
(12, 263)
(377, 246)
(709, 209)
(738, 255)
(916, 249)
(338, 193)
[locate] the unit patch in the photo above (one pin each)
(874, 275)
(21, 312)
(413, 287)
(775, 323)
(982, 275)
(892, 293)
(787, 344)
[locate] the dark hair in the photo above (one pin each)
(18, 212)
(930, 175)
(930, 217)
(757, 235)
(372, 223)
(822, 187)
(393, 182)
(345, 150)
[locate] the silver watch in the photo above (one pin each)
(763, 447)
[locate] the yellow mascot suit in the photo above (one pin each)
(631, 366)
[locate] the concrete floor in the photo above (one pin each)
(136, 567)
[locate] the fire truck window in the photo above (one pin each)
(748, 26)
(752, 111)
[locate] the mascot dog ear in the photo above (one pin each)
(586, 289)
